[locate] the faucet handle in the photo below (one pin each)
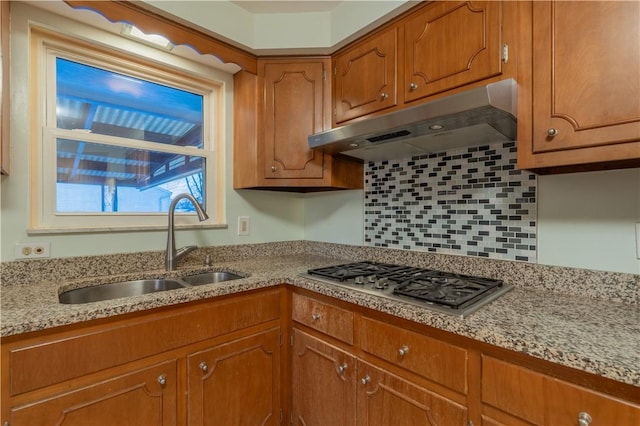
(184, 250)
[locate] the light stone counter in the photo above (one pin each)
(574, 329)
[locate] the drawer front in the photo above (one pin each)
(433, 359)
(513, 389)
(40, 362)
(568, 404)
(323, 317)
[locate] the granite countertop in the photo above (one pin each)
(579, 332)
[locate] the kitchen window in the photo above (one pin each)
(117, 137)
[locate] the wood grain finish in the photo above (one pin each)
(323, 383)
(323, 317)
(450, 44)
(581, 87)
(365, 77)
(294, 109)
(386, 399)
(433, 359)
(236, 383)
(134, 398)
(544, 400)
(40, 362)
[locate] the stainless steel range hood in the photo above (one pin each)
(474, 117)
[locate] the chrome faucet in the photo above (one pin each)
(172, 254)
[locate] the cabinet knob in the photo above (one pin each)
(274, 169)
(366, 379)
(162, 379)
(403, 350)
(552, 132)
(203, 366)
(384, 96)
(342, 368)
(413, 86)
(584, 419)
(315, 317)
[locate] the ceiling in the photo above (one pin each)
(289, 6)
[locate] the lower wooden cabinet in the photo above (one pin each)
(236, 383)
(529, 397)
(143, 396)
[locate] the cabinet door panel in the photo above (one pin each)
(322, 383)
(365, 77)
(294, 110)
(236, 383)
(586, 82)
(451, 44)
(385, 399)
(136, 398)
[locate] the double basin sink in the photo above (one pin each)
(138, 287)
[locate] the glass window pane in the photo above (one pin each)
(114, 104)
(95, 177)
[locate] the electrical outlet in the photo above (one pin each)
(32, 250)
(243, 225)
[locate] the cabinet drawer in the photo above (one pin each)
(323, 317)
(513, 389)
(433, 359)
(43, 361)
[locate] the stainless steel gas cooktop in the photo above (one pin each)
(446, 292)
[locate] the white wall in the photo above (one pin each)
(587, 220)
(274, 216)
(335, 217)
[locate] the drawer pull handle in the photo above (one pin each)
(366, 379)
(552, 132)
(203, 366)
(162, 379)
(403, 350)
(315, 317)
(384, 96)
(274, 169)
(584, 419)
(342, 368)
(413, 86)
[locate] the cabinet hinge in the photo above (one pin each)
(335, 70)
(505, 53)
(281, 339)
(281, 416)
(324, 74)
(335, 111)
(291, 340)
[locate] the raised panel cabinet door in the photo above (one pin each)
(450, 44)
(385, 399)
(365, 77)
(236, 383)
(323, 385)
(294, 109)
(142, 397)
(586, 75)
(567, 404)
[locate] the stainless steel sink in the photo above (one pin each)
(117, 290)
(135, 288)
(210, 278)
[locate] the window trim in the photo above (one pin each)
(45, 46)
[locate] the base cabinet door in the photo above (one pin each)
(236, 383)
(323, 383)
(142, 397)
(386, 399)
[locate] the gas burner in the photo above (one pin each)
(442, 291)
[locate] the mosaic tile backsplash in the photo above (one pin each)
(467, 201)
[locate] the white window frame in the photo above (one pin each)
(45, 47)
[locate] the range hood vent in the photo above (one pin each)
(475, 117)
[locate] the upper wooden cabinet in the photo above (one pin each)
(274, 113)
(581, 87)
(450, 44)
(365, 77)
(436, 47)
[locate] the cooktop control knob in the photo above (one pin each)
(381, 284)
(359, 280)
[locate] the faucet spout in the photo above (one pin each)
(172, 255)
